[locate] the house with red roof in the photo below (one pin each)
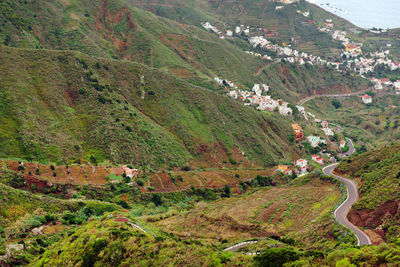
(367, 99)
(318, 159)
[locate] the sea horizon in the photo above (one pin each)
(366, 13)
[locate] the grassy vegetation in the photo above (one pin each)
(264, 212)
(82, 111)
(108, 242)
(369, 126)
(378, 171)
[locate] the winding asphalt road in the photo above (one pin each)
(304, 100)
(352, 196)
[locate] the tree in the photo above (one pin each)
(336, 103)
(93, 160)
(276, 257)
(227, 191)
(156, 198)
(263, 180)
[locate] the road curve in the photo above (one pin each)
(352, 196)
(236, 247)
(304, 100)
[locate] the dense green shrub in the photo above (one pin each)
(276, 257)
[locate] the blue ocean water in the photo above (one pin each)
(365, 13)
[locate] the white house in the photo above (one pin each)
(229, 33)
(318, 159)
(342, 143)
(130, 172)
(301, 163)
(286, 111)
(396, 84)
(237, 30)
(266, 87)
(313, 140)
(366, 99)
(328, 131)
(233, 94)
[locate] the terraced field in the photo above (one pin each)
(268, 211)
(162, 181)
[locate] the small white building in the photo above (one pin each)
(266, 87)
(301, 163)
(285, 111)
(313, 140)
(233, 94)
(237, 30)
(131, 173)
(328, 131)
(367, 99)
(229, 33)
(342, 143)
(318, 159)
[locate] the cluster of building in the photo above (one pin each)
(364, 65)
(289, 54)
(325, 128)
(352, 55)
(258, 98)
(353, 58)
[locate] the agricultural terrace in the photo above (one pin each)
(265, 212)
(163, 181)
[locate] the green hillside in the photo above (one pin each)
(286, 22)
(66, 107)
(116, 29)
(378, 173)
(369, 126)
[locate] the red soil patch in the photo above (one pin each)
(182, 47)
(121, 219)
(108, 20)
(372, 219)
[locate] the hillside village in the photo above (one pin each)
(351, 59)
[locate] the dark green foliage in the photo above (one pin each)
(93, 160)
(263, 180)
(123, 204)
(156, 199)
(336, 103)
(276, 257)
(90, 256)
(226, 191)
(186, 168)
(139, 182)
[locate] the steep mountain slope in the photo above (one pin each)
(62, 106)
(286, 22)
(116, 29)
(378, 175)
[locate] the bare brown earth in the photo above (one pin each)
(375, 219)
